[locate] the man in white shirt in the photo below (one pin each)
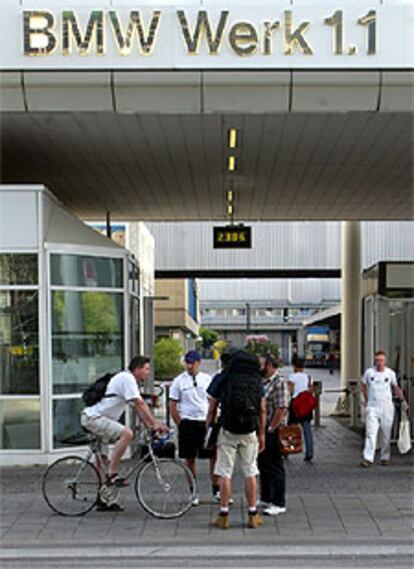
(379, 384)
(189, 407)
(102, 419)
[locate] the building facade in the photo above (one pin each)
(177, 310)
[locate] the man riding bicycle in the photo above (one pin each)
(102, 419)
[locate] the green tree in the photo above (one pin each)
(208, 337)
(167, 358)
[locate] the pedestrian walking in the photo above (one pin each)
(331, 363)
(300, 382)
(271, 462)
(188, 407)
(379, 384)
(243, 417)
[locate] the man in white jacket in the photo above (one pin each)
(379, 384)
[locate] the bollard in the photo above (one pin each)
(354, 405)
(317, 391)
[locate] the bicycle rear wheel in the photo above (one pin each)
(165, 488)
(71, 486)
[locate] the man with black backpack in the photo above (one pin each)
(243, 417)
(105, 403)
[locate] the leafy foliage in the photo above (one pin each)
(260, 345)
(167, 358)
(208, 337)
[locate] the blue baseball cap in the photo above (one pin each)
(191, 357)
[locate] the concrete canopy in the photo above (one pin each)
(291, 166)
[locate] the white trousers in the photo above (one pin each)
(379, 418)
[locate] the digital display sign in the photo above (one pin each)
(232, 237)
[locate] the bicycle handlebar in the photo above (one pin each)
(159, 442)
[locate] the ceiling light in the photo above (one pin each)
(230, 209)
(231, 163)
(230, 196)
(232, 138)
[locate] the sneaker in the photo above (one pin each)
(221, 522)
(365, 463)
(273, 510)
(308, 460)
(196, 501)
(255, 521)
(385, 462)
(216, 498)
(262, 504)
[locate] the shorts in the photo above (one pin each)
(230, 446)
(191, 435)
(103, 427)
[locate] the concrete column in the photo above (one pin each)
(300, 335)
(351, 301)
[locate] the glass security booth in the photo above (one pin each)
(69, 312)
(388, 305)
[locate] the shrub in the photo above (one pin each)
(167, 358)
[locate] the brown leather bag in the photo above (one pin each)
(290, 439)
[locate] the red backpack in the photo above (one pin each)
(304, 404)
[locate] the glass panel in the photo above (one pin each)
(20, 423)
(66, 421)
(87, 338)
(134, 323)
(82, 270)
(67, 428)
(18, 269)
(133, 276)
(19, 343)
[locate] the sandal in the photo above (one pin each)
(118, 481)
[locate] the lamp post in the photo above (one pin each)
(248, 317)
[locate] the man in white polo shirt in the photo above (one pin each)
(379, 384)
(188, 407)
(102, 419)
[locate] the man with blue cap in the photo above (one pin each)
(188, 408)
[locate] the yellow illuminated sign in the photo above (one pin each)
(232, 237)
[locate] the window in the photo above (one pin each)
(88, 271)
(134, 325)
(18, 269)
(66, 421)
(87, 338)
(20, 423)
(19, 342)
(133, 277)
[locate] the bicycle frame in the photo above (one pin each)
(95, 450)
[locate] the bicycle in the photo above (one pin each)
(164, 487)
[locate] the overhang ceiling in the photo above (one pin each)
(315, 166)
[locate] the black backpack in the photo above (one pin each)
(242, 394)
(95, 392)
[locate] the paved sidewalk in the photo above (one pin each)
(337, 512)
(335, 496)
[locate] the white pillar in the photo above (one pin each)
(351, 301)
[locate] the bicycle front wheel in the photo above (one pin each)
(71, 486)
(165, 488)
